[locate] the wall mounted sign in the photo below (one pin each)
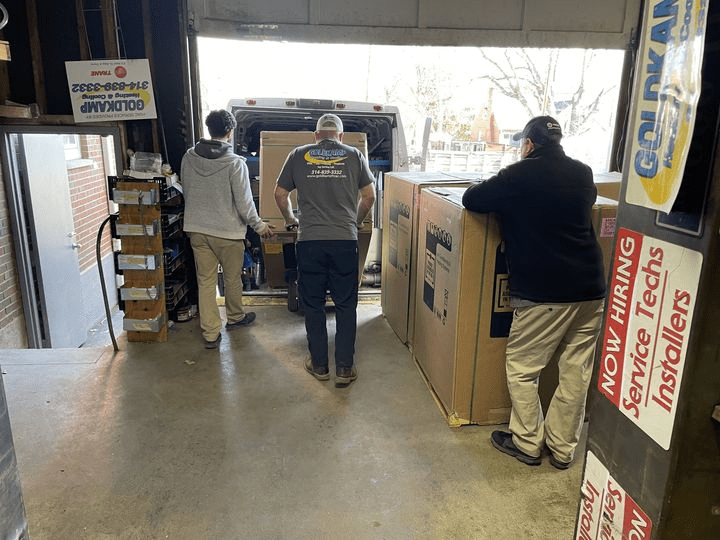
(110, 90)
(666, 96)
(647, 328)
(606, 511)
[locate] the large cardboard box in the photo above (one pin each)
(608, 184)
(604, 217)
(275, 252)
(464, 360)
(274, 149)
(401, 206)
(462, 314)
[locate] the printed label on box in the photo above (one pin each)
(607, 228)
(606, 511)
(502, 313)
(436, 287)
(399, 250)
(647, 326)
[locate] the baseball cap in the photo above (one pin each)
(329, 122)
(541, 130)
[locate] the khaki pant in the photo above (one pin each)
(537, 335)
(210, 251)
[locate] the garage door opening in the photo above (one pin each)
(473, 99)
(459, 106)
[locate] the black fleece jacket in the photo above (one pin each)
(544, 205)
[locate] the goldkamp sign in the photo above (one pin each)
(103, 90)
(666, 95)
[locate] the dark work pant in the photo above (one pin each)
(329, 265)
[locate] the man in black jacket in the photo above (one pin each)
(556, 284)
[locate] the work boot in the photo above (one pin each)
(344, 376)
(502, 440)
(245, 321)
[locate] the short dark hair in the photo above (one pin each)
(220, 122)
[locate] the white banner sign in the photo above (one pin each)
(647, 327)
(606, 512)
(103, 90)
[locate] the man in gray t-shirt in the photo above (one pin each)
(330, 178)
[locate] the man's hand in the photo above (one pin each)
(265, 230)
(292, 225)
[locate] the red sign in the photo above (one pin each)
(647, 326)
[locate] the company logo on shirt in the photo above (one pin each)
(326, 156)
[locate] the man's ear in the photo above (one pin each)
(340, 136)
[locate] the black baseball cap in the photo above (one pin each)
(541, 130)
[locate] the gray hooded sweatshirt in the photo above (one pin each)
(216, 185)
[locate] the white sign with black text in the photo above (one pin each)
(110, 90)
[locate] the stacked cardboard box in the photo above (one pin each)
(401, 206)
(608, 184)
(604, 215)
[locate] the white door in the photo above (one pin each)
(57, 270)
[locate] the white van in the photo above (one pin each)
(387, 150)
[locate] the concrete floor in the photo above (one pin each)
(170, 440)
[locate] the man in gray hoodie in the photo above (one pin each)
(218, 209)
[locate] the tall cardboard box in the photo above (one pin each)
(471, 284)
(401, 205)
(274, 149)
(608, 184)
(461, 309)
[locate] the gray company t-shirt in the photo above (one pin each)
(327, 176)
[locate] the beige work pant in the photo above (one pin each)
(210, 251)
(538, 334)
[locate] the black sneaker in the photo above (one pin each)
(344, 376)
(555, 462)
(245, 321)
(502, 440)
(213, 344)
(320, 375)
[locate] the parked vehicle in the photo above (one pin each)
(387, 150)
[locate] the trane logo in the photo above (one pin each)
(441, 234)
(100, 73)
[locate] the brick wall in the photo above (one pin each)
(89, 199)
(12, 318)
